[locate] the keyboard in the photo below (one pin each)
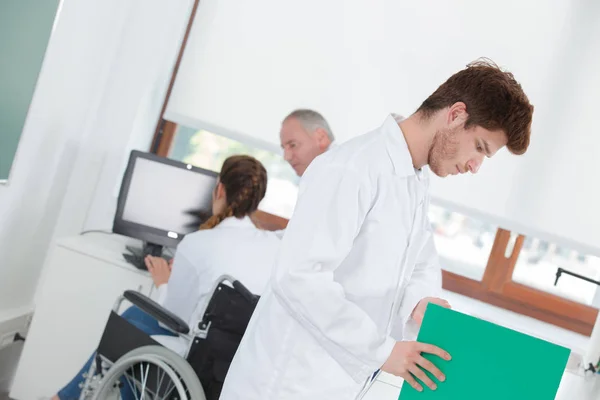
(138, 260)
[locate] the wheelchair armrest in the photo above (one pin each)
(152, 308)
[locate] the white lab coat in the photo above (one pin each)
(234, 247)
(356, 258)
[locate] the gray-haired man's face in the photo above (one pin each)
(299, 146)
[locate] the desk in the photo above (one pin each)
(81, 279)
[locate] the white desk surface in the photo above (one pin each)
(103, 246)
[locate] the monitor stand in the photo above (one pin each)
(137, 255)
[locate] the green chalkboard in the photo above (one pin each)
(488, 361)
(25, 27)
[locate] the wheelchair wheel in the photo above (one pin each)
(150, 372)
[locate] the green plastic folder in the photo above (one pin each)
(488, 361)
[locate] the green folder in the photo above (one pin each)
(488, 361)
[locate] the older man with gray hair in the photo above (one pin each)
(304, 135)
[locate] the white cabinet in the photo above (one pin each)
(82, 278)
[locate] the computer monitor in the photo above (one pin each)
(161, 200)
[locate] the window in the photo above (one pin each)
(463, 243)
(208, 150)
(479, 259)
(539, 262)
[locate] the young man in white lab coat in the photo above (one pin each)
(357, 262)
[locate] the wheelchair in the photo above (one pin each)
(129, 364)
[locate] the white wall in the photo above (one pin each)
(106, 70)
(249, 63)
(561, 174)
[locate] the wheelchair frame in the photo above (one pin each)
(94, 379)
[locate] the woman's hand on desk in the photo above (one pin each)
(407, 362)
(419, 312)
(159, 268)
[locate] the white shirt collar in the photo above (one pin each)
(398, 148)
(233, 222)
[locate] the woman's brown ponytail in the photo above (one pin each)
(245, 181)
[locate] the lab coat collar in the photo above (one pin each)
(233, 222)
(398, 149)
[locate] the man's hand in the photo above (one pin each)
(419, 311)
(405, 361)
(159, 268)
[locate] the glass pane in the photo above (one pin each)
(538, 264)
(463, 243)
(208, 150)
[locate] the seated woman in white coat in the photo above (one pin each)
(202, 257)
(227, 243)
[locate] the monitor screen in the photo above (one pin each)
(161, 200)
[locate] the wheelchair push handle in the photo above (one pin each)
(238, 286)
(241, 289)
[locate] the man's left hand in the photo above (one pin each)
(419, 311)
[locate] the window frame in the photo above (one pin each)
(498, 288)
(163, 141)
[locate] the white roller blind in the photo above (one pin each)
(248, 64)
